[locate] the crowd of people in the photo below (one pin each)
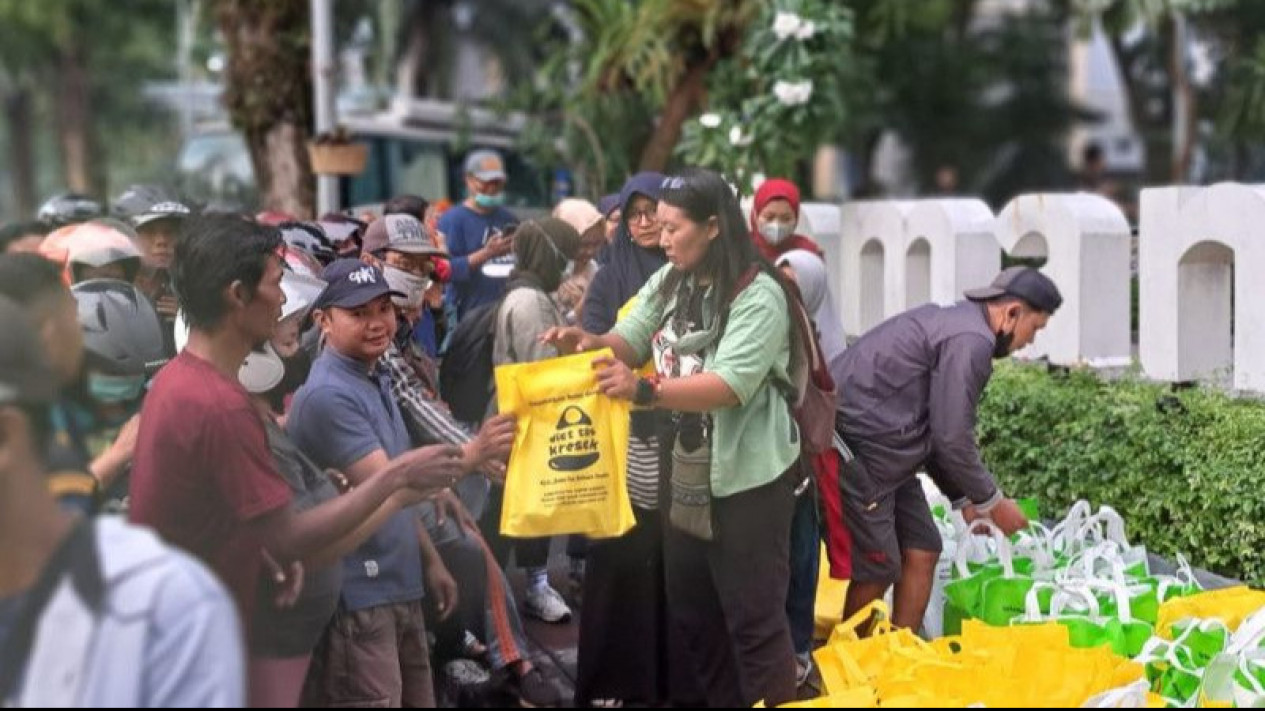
(295, 420)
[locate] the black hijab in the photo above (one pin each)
(626, 267)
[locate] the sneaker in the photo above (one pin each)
(546, 605)
(535, 691)
(466, 684)
(471, 647)
(465, 673)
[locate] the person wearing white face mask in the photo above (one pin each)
(401, 247)
(774, 215)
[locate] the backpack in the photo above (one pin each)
(811, 392)
(465, 377)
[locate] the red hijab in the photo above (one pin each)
(778, 189)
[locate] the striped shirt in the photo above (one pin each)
(427, 414)
(643, 472)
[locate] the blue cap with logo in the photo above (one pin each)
(352, 284)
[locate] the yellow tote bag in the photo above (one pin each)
(1230, 605)
(568, 470)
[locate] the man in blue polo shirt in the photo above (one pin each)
(345, 418)
(480, 235)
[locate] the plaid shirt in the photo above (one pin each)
(420, 403)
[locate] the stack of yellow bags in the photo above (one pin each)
(1229, 605)
(1028, 666)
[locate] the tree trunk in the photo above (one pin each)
(684, 99)
(1156, 137)
(269, 96)
(412, 65)
(17, 110)
(1185, 100)
(74, 123)
(279, 157)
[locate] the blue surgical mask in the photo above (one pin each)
(489, 201)
(115, 389)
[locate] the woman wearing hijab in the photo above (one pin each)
(809, 272)
(631, 258)
(625, 657)
(774, 215)
(543, 249)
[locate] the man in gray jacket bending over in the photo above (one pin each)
(908, 401)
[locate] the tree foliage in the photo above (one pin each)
(117, 47)
(617, 95)
(781, 96)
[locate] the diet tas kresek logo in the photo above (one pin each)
(573, 447)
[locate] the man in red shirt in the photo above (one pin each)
(203, 476)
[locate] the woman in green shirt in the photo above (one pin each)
(715, 324)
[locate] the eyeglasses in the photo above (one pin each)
(414, 264)
(649, 215)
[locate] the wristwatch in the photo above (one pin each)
(647, 392)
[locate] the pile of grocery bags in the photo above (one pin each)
(1083, 574)
(1034, 665)
(1069, 615)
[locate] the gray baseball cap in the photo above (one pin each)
(400, 233)
(485, 165)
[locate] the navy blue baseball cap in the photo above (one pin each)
(352, 284)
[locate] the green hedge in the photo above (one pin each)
(1186, 469)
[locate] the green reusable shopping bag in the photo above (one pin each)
(1076, 606)
(1175, 669)
(993, 592)
(1124, 638)
(1031, 509)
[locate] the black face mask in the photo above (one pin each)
(1004, 342)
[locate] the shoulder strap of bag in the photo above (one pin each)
(747, 279)
(798, 321)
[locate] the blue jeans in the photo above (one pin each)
(805, 557)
